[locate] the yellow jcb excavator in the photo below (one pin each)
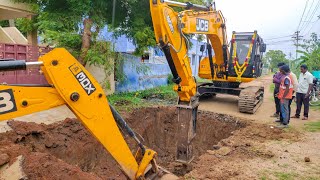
(226, 70)
(71, 84)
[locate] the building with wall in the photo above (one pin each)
(154, 61)
(14, 46)
(10, 11)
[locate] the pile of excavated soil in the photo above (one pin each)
(158, 127)
(58, 151)
(66, 150)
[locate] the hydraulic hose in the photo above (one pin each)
(123, 125)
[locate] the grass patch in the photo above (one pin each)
(155, 96)
(269, 174)
(271, 87)
(316, 107)
(200, 80)
(285, 176)
(312, 126)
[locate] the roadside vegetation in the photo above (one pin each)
(312, 126)
(162, 95)
(310, 53)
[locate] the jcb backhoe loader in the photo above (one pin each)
(71, 84)
(226, 70)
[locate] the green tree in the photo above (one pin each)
(73, 24)
(136, 23)
(273, 57)
(310, 55)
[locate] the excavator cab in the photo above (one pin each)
(246, 47)
(232, 75)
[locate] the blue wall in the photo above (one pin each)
(156, 75)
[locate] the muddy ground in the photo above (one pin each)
(66, 150)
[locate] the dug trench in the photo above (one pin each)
(66, 150)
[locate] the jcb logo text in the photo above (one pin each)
(202, 25)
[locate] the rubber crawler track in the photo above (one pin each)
(250, 99)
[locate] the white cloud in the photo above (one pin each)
(271, 18)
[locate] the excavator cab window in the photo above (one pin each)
(242, 44)
(242, 50)
(263, 47)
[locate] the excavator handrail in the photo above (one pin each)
(187, 5)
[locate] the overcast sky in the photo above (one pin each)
(272, 19)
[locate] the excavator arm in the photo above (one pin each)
(71, 84)
(171, 28)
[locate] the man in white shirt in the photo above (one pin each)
(303, 92)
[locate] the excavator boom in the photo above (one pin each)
(226, 69)
(171, 28)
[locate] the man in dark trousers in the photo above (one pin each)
(277, 80)
(285, 95)
(294, 79)
(303, 92)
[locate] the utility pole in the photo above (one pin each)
(113, 12)
(290, 58)
(297, 38)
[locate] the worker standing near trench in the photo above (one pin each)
(277, 80)
(285, 95)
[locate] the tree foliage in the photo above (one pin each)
(273, 57)
(73, 24)
(310, 55)
(136, 23)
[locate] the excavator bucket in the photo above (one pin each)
(187, 116)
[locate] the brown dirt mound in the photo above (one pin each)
(66, 149)
(67, 141)
(45, 166)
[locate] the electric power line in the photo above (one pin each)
(314, 23)
(304, 10)
(307, 14)
(279, 42)
(311, 16)
(280, 37)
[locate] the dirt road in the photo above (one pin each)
(227, 104)
(286, 157)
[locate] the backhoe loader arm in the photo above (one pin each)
(74, 86)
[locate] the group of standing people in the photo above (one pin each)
(289, 88)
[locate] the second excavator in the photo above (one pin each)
(227, 70)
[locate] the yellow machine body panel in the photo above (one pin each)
(205, 73)
(27, 100)
(169, 33)
(212, 24)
